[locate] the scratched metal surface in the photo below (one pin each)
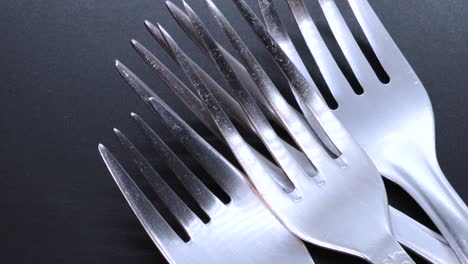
(60, 96)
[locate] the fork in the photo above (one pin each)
(408, 232)
(412, 234)
(242, 231)
(354, 190)
(400, 140)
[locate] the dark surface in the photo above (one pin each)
(60, 96)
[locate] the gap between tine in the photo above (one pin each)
(380, 40)
(143, 91)
(332, 74)
(220, 169)
(170, 199)
(279, 33)
(186, 95)
(324, 123)
(176, 86)
(184, 21)
(196, 106)
(307, 91)
(157, 228)
(293, 122)
(269, 137)
(249, 161)
(205, 198)
(230, 105)
(353, 53)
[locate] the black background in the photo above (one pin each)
(60, 96)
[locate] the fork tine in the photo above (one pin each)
(170, 199)
(323, 122)
(382, 43)
(157, 228)
(156, 34)
(184, 21)
(222, 171)
(279, 33)
(140, 88)
(269, 137)
(353, 53)
(190, 100)
(186, 95)
(223, 97)
(196, 106)
(205, 198)
(265, 183)
(334, 77)
(179, 88)
(292, 121)
(227, 102)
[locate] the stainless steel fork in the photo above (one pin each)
(352, 187)
(242, 231)
(412, 234)
(435, 250)
(415, 236)
(393, 122)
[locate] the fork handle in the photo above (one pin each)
(420, 239)
(427, 184)
(389, 251)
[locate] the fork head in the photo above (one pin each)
(389, 119)
(346, 212)
(392, 119)
(240, 231)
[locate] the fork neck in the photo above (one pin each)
(420, 175)
(388, 251)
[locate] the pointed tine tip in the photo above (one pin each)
(136, 118)
(145, 128)
(106, 155)
(149, 24)
(123, 70)
(122, 138)
(119, 64)
(154, 30)
(137, 45)
(161, 28)
(187, 7)
(156, 33)
(134, 81)
(134, 42)
(101, 148)
(169, 40)
(142, 51)
(119, 134)
(153, 100)
(170, 5)
(132, 114)
(176, 12)
(155, 104)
